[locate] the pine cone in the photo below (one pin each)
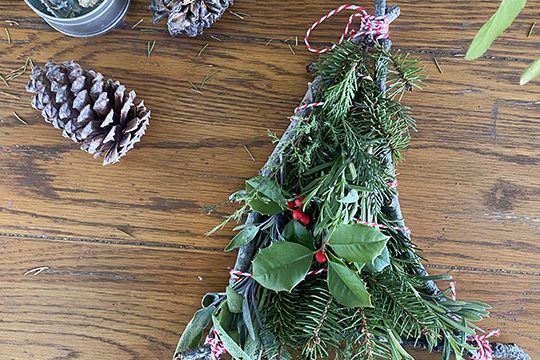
(98, 114)
(188, 17)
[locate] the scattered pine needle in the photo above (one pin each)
(437, 65)
(296, 40)
(195, 88)
(206, 79)
(288, 39)
(290, 48)
(151, 45)
(249, 152)
(269, 41)
(4, 80)
(36, 271)
(203, 48)
(19, 118)
(10, 95)
(8, 36)
(239, 15)
(215, 37)
(11, 22)
(137, 24)
(531, 29)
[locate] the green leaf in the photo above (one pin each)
(380, 262)
(531, 72)
(296, 232)
(264, 206)
(192, 333)
(228, 342)
(358, 243)
(246, 316)
(246, 235)
(267, 187)
(282, 265)
(504, 16)
(234, 300)
(350, 198)
(346, 286)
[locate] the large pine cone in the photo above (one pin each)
(188, 17)
(97, 113)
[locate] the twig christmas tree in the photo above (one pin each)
(326, 267)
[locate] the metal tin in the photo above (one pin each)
(102, 19)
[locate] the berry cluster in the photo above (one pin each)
(297, 214)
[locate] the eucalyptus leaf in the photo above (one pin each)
(346, 286)
(530, 73)
(504, 16)
(282, 265)
(296, 232)
(358, 243)
(234, 300)
(193, 332)
(233, 348)
(245, 236)
(246, 316)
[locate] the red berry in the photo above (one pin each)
(320, 256)
(291, 205)
(305, 219)
(297, 215)
(299, 202)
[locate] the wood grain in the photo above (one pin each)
(468, 186)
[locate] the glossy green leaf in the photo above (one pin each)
(504, 16)
(267, 187)
(234, 300)
(281, 266)
(192, 333)
(296, 232)
(530, 73)
(246, 235)
(358, 243)
(265, 206)
(380, 262)
(233, 348)
(346, 286)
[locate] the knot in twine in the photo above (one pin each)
(375, 26)
(216, 345)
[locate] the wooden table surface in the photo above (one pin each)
(469, 185)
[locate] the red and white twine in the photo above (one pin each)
(484, 350)
(375, 26)
(217, 349)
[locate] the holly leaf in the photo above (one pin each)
(192, 334)
(379, 263)
(346, 285)
(234, 300)
(358, 243)
(296, 232)
(264, 206)
(267, 187)
(246, 235)
(504, 16)
(282, 265)
(531, 72)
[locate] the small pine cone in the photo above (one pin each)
(188, 17)
(98, 114)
